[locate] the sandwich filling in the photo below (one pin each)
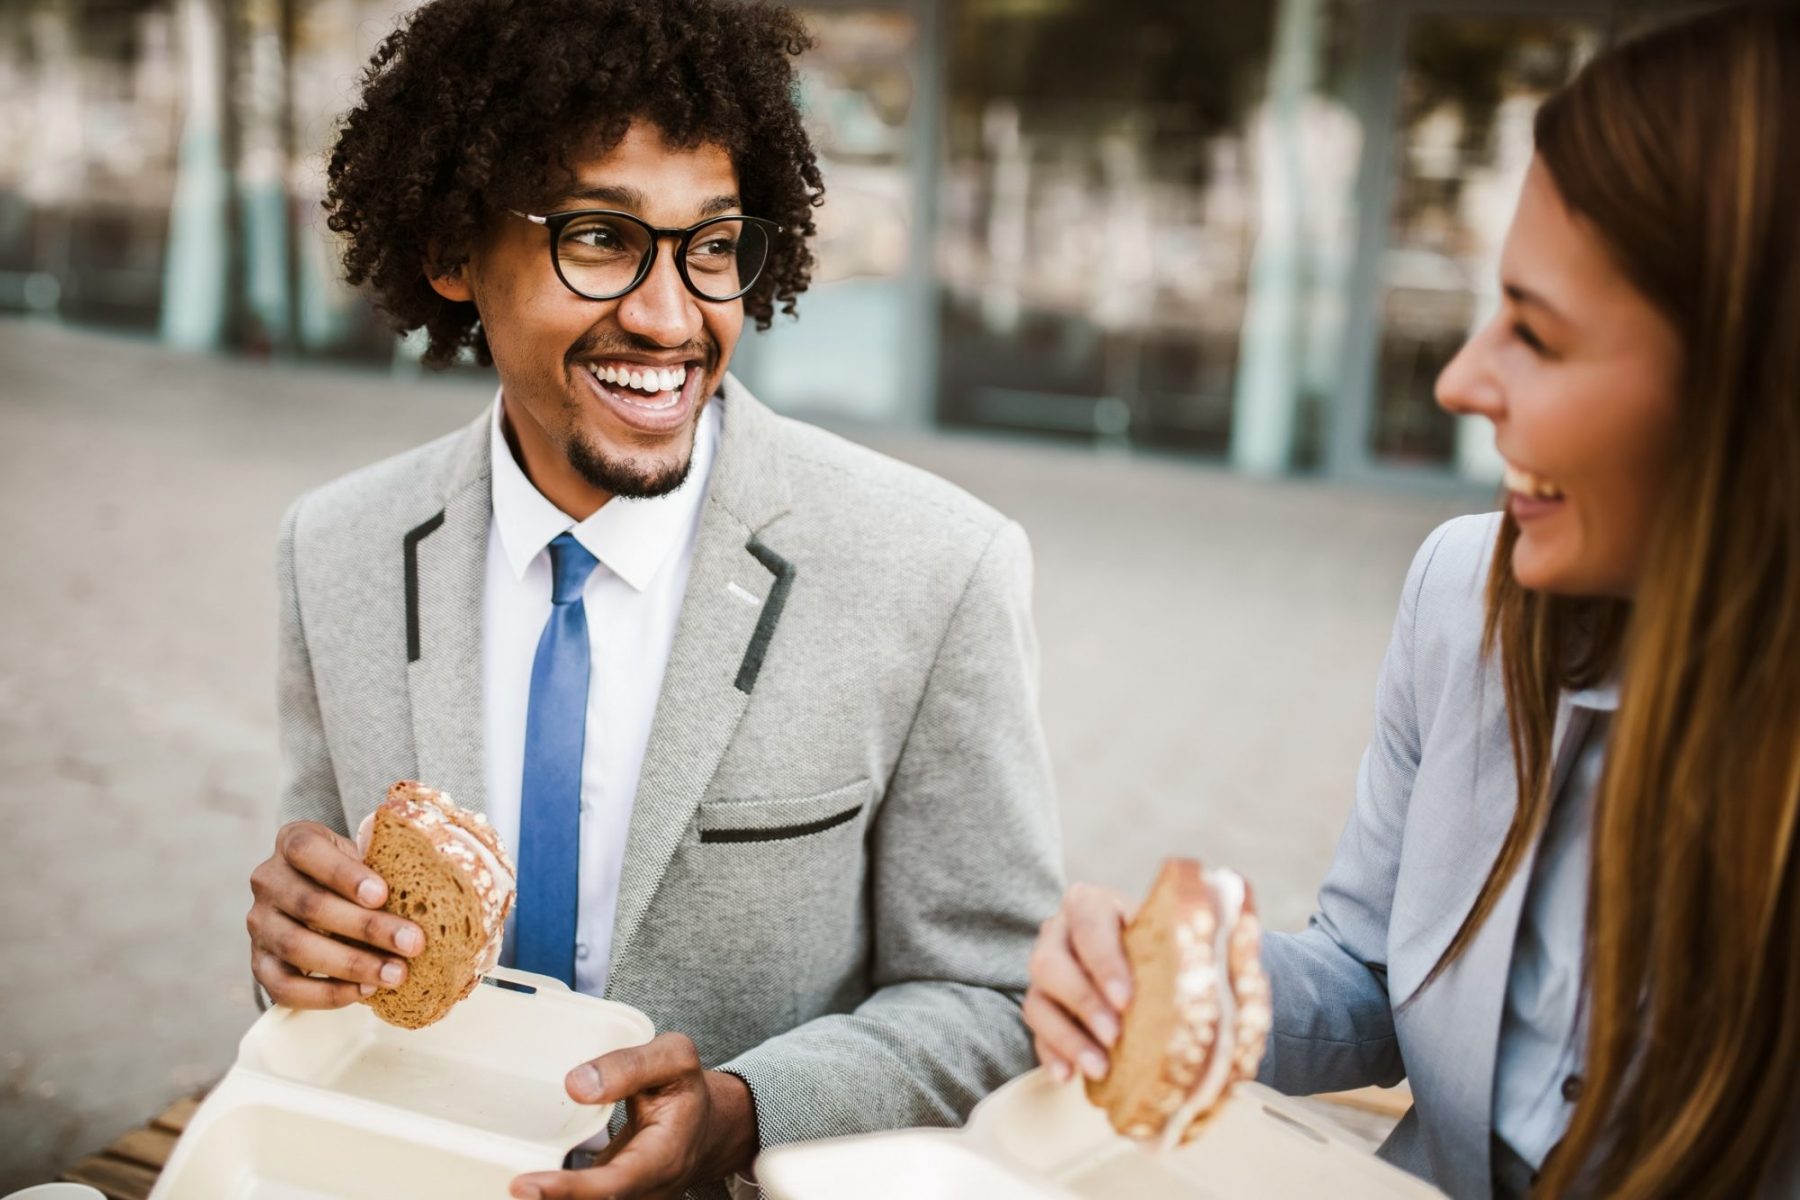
(1215, 984)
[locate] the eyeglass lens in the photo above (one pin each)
(601, 255)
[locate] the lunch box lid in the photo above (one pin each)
(1035, 1139)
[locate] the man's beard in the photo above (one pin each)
(629, 478)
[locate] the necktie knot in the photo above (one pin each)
(570, 566)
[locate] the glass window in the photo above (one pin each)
(87, 156)
(1097, 215)
(1470, 89)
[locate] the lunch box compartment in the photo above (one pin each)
(263, 1152)
(338, 1103)
(450, 1070)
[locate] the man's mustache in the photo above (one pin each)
(611, 344)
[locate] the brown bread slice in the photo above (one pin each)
(440, 895)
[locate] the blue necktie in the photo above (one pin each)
(550, 797)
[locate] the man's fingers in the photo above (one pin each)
(306, 902)
(1097, 918)
(623, 1073)
(313, 953)
(1065, 1039)
(643, 1161)
(651, 1163)
(289, 987)
(1055, 972)
(331, 860)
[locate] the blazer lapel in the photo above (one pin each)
(1474, 989)
(736, 588)
(443, 560)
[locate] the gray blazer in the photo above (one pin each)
(1434, 797)
(845, 834)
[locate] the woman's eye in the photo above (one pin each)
(1523, 332)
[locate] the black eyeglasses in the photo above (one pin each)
(601, 254)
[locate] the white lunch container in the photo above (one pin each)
(338, 1103)
(1035, 1139)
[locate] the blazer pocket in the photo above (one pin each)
(780, 820)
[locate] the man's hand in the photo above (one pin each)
(315, 884)
(684, 1126)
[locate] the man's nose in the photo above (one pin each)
(1467, 385)
(661, 309)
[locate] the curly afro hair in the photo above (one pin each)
(475, 106)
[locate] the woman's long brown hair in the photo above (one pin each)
(1681, 149)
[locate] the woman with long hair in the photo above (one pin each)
(1567, 902)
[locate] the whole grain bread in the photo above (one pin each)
(435, 880)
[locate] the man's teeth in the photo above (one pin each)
(1519, 480)
(651, 380)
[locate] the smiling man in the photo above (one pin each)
(755, 707)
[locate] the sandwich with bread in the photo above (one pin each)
(1199, 1015)
(447, 872)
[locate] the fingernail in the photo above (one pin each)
(368, 989)
(1119, 992)
(1093, 1065)
(1059, 1070)
(584, 1082)
(525, 1191)
(1105, 1027)
(392, 974)
(410, 941)
(369, 892)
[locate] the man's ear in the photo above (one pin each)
(452, 283)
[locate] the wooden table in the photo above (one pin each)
(127, 1169)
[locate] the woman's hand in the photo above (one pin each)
(1080, 982)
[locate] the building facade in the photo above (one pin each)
(1248, 232)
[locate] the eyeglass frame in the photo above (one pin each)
(555, 223)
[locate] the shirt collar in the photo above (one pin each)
(631, 538)
(1602, 697)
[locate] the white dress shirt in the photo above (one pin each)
(1543, 1028)
(633, 599)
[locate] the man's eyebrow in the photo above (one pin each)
(614, 195)
(631, 200)
(1524, 295)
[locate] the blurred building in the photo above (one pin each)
(1248, 231)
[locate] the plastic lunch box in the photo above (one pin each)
(1035, 1139)
(341, 1104)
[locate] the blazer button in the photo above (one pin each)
(1571, 1088)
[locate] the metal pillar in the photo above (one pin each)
(1269, 371)
(196, 281)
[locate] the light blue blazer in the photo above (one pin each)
(1434, 796)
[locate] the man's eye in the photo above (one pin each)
(598, 238)
(714, 254)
